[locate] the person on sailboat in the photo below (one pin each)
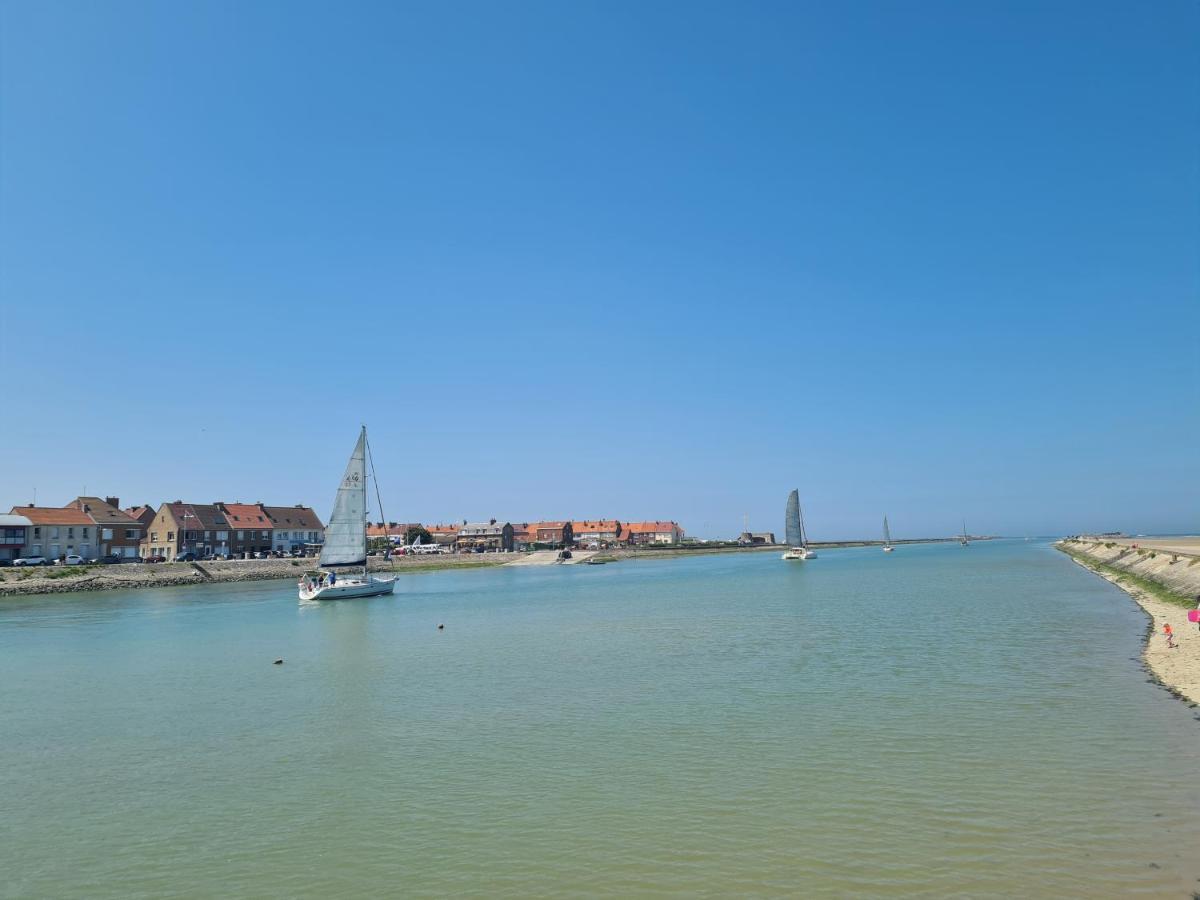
(332, 579)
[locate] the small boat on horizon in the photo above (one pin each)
(797, 537)
(887, 537)
(962, 540)
(346, 539)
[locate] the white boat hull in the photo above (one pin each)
(888, 549)
(350, 587)
(799, 553)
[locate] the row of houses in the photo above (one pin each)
(94, 527)
(495, 535)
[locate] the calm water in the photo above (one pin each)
(935, 721)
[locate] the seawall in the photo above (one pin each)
(1164, 585)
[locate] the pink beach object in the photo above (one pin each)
(1194, 615)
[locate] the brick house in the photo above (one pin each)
(180, 527)
(445, 536)
(119, 533)
(249, 528)
(558, 534)
(636, 533)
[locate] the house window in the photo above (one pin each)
(170, 536)
(84, 535)
(54, 533)
(222, 535)
(37, 531)
(105, 534)
(154, 536)
(239, 537)
(131, 534)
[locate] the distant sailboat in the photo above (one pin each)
(887, 537)
(963, 540)
(797, 538)
(346, 539)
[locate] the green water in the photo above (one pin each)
(933, 721)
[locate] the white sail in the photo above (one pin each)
(791, 522)
(346, 533)
(887, 534)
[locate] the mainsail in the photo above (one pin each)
(795, 537)
(887, 534)
(346, 534)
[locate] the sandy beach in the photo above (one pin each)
(1178, 669)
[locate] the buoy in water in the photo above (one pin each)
(441, 627)
(279, 662)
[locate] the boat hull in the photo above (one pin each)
(350, 588)
(799, 554)
(888, 549)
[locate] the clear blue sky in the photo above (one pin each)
(641, 260)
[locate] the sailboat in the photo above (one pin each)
(887, 537)
(963, 539)
(346, 539)
(797, 538)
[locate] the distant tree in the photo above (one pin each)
(378, 543)
(417, 532)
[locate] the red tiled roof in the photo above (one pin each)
(651, 527)
(443, 529)
(53, 515)
(600, 525)
(197, 515)
(246, 515)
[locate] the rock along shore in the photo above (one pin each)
(1165, 586)
(59, 580)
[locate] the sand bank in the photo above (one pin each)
(1177, 670)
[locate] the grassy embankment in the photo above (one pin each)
(1153, 588)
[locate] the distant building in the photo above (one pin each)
(490, 535)
(445, 536)
(604, 531)
(14, 533)
(748, 538)
(395, 532)
(637, 533)
(179, 527)
(55, 532)
(119, 533)
(292, 527)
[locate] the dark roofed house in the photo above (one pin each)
(179, 527)
(119, 534)
(295, 526)
(491, 535)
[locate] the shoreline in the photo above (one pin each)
(1177, 671)
(15, 582)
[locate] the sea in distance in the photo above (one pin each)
(940, 720)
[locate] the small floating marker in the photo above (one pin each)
(441, 627)
(279, 662)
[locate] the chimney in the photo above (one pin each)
(113, 501)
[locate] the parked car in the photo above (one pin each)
(4, 563)
(111, 560)
(72, 559)
(261, 554)
(155, 559)
(186, 556)
(30, 561)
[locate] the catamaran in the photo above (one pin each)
(887, 537)
(346, 539)
(797, 537)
